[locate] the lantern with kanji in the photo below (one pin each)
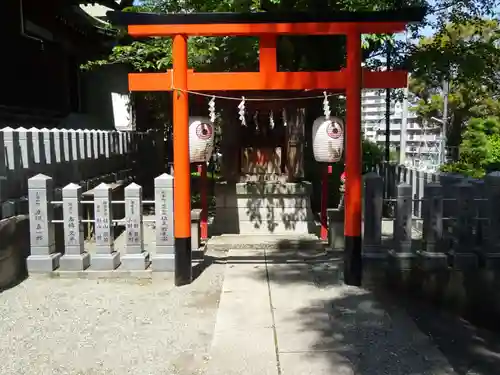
(201, 139)
(328, 139)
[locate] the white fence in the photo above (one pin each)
(65, 154)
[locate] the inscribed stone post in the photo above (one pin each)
(43, 257)
(402, 255)
(464, 223)
(75, 258)
(164, 259)
(432, 232)
(372, 242)
(105, 258)
(135, 258)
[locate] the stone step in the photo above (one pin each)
(227, 242)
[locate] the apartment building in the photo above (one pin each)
(422, 142)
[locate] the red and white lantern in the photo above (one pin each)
(201, 139)
(328, 139)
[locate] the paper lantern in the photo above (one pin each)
(328, 139)
(201, 139)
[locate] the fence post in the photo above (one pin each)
(492, 181)
(75, 258)
(135, 258)
(374, 191)
(164, 259)
(447, 181)
(43, 257)
(336, 228)
(105, 258)
(463, 234)
(431, 257)
(402, 255)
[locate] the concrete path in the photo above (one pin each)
(289, 318)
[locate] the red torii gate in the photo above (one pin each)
(267, 26)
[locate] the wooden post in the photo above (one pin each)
(202, 171)
(352, 230)
(182, 186)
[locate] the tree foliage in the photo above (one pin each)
(480, 148)
(467, 54)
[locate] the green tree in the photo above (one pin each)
(480, 148)
(467, 54)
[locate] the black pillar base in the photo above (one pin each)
(183, 268)
(353, 267)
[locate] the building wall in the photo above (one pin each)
(97, 88)
(421, 142)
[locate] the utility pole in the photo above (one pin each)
(388, 108)
(404, 123)
(446, 89)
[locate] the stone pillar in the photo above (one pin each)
(492, 190)
(75, 258)
(431, 257)
(463, 233)
(43, 257)
(105, 258)
(195, 229)
(447, 181)
(135, 258)
(402, 255)
(372, 241)
(164, 259)
(336, 228)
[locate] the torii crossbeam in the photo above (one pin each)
(267, 26)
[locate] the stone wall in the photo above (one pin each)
(14, 249)
(263, 207)
(445, 246)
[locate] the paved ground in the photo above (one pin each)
(113, 327)
(273, 318)
(291, 319)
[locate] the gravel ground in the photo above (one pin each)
(112, 327)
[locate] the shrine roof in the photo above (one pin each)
(407, 15)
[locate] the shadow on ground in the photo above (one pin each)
(469, 349)
(370, 332)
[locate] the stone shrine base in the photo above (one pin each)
(263, 207)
